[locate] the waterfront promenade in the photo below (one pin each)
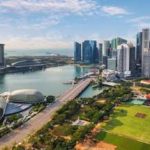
(34, 124)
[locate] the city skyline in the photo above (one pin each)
(57, 24)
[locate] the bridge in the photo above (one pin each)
(76, 90)
(22, 133)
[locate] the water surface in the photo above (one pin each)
(49, 81)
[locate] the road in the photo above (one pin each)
(37, 122)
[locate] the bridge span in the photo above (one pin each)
(22, 133)
(76, 90)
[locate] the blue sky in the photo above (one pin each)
(56, 24)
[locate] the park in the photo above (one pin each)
(127, 128)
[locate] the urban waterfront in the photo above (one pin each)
(49, 81)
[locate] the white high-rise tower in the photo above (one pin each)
(123, 55)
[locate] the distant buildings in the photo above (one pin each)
(123, 54)
(107, 49)
(105, 61)
(132, 59)
(100, 53)
(138, 53)
(139, 48)
(115, 43)
(119, 55)
(77, 52)
(88, 53)
(2, 58)
(146, 52)
(112, 63)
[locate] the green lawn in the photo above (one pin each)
(121, 142)
(123, 122)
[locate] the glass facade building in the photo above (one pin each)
(77, 52)
(90, 52)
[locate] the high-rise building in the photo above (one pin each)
(107, 48)
(139, 48)
(95, 52)
(112, 63)
(86, 52)
(2, 58)
(90, 52)
(77, 52)
(139, 53)
(123, 54)
(105, 61)
(146, 52)
(115, 43)
(132, 60)
(100, 53)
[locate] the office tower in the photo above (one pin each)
(139, 48)
(107, 48)
(2, 59)
(105, 61)
(132, 60)
(112, 63)
(100, 53)
(77, 52)
(123, 60)
(86, 52)
(115, 43)
(139, 53)
(90, 52)
(146, 52)
(95, 52)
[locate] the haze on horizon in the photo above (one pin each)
(56, 24)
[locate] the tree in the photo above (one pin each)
(50, 99)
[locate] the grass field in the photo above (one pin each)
(124, 122)
(122, 143)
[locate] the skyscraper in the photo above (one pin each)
(86, 52)
(2, 59)
(105, 61)
(111, 63)
(107, 48)
(139, 48)
(77, 52)
(132, 60)
(146, 52)
(95, 52)
(115, 43)
(123, 55)
(138, 53)
(100, 53)
(90, 52)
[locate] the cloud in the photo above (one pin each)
(114, 10)
(68, 6)
(141, 22)
(41, 14)
(37, 23)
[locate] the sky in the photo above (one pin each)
(56, 24)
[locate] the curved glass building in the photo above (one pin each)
(3, 105)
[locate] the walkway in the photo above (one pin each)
(34, 124)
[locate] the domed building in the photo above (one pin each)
(3, 105)
(18, 101)
(29, 96)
